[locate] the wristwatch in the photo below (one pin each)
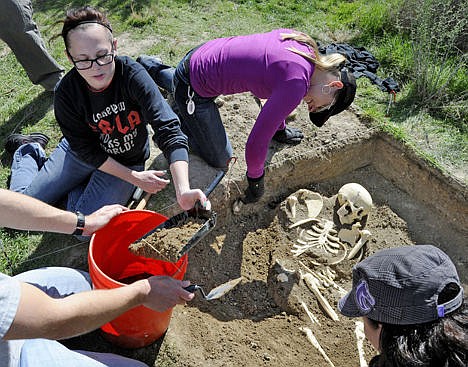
(80, 223)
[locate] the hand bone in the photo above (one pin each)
(292, 202)
(313, 284)
(365, 236)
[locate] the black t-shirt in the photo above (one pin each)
(113, 122)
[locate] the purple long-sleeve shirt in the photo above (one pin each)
(260, 64)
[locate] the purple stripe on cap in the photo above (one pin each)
(364, 299)
(440, 311)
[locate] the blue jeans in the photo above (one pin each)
(204, 128)
(60, 282)
(65, 176)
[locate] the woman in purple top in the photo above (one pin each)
(282, 66)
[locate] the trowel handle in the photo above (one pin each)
(137, 194)
(198, 210)
(214, 183)
(141, 205)
(192, 288)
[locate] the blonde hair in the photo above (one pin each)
(329, 62)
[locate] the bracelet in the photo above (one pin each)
(80, 224)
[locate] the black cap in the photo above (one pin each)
(344, 98)
(401, 286)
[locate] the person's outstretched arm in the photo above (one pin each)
(40, 316)
(19, 211)
(154, 181)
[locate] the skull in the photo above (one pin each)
(355, 203)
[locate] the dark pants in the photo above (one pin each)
(204, 128)
(20, 32)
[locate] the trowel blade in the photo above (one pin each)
(222, 289)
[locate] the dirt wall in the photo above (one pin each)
(424, 183)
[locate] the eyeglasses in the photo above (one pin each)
(88, 64)
(326, 107)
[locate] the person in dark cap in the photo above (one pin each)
(412, 304)
(282, 66)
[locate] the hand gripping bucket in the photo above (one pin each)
(110, 262)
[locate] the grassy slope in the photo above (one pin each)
(175, 26)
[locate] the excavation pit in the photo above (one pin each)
(251, 326)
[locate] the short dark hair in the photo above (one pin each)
(80, 16)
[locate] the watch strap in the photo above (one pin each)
(80, 223)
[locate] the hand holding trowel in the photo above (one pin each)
(217, 292)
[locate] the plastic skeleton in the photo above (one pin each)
(321, 236)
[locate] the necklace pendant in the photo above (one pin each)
(190, 107)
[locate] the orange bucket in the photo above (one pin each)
(110, 262)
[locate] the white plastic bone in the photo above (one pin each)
(325, 275)
(322, 236)
(313, 202)
(313, 284)
(355, 203)
(312, 317)
(350, 235)
(283, 268)
(360, 337)
(301, 222)
(316, 344)
(292, 202)
(365, 236)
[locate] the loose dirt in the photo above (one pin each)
(165, 244)
(258, 323)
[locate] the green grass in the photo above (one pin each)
(171, 27)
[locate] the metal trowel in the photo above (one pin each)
(217, 292)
